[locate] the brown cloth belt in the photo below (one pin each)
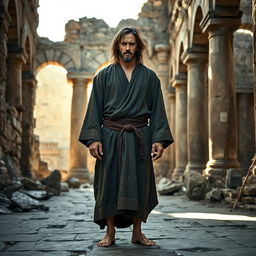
(129, 125)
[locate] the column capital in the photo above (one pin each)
(162, 53)
(212, 22)
(16, 58)
(80, 78)
(179, 80)
(29, 78)
(192, 55)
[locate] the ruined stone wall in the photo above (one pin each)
(18, 22)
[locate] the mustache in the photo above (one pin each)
(127, 52)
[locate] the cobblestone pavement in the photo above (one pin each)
(179, 226)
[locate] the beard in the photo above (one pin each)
(126, 58)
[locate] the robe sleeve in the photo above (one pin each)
(159, 127)
(91, 128)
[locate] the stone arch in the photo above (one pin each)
(196, 35)
(49, 56)
(96, 59)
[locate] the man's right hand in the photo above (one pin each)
(95, 149)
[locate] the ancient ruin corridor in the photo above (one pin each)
(180, 227)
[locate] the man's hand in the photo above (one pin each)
(96, 150)
(157, 150)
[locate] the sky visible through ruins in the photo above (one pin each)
(54, 14)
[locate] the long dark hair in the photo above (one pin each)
(117, 39)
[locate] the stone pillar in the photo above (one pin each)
(222, 104)
(162, 54)
(254, 63)
(197, 121)
(28, 98)
(78, 152)
(171, 96)
(14, 79)
(180, 84)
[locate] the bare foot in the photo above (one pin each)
(142, 239)
(108, 240)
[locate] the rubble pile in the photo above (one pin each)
(25, 194)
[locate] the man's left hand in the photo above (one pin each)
(157, 150)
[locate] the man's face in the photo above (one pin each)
(127, 47)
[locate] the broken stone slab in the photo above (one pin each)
(36, 194)
(74, 182)
(195, 184)
(32, 185)
(170, 189)
(26, 203)
(64, 187)
(53, 182)
(215, 195)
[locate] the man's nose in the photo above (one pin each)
(127, 46)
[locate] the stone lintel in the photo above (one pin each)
(179, 80)
(210, 22)
(190, 56)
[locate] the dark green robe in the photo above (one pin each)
(130, 190)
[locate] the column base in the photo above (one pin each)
(81, 173)
(178, 174)
(220, 173)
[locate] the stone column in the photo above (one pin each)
(197, 121)
(171, 97)
(254, 63)
(222, 104)
(14, 79)
(180, 84)
(78, 152)
(29, 84)
(162, 54)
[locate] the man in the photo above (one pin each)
(125, 129)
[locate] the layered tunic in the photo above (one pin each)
(128, 188)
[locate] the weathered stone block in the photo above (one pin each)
(195, 184)
(214, 195)
(233, 178)
(248, 199)
(249, 190)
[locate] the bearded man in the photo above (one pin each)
(125, 128)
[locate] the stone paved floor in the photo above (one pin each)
(179, 226)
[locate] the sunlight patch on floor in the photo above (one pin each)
(206, 216)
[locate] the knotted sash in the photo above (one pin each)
(128, 125)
